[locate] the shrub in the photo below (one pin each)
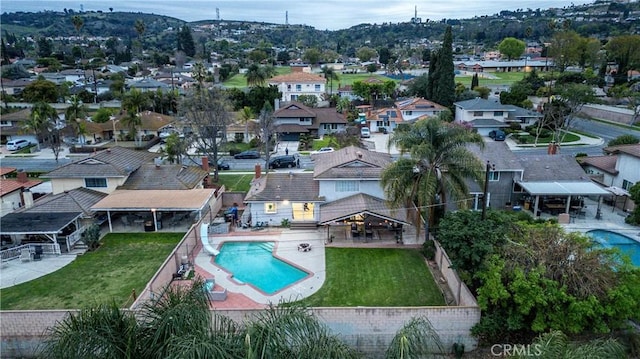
(91, 237)
(429, 250)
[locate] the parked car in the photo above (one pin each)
(223, 165)
(17, 145)
(247, 154)
(323, 150)
(497, 135)
(283, 162)
(365, 132)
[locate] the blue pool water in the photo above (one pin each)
(253, 263)
(626, 245)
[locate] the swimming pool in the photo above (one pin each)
(609, 239)
(254, 263)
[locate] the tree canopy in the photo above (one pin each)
(511, 47)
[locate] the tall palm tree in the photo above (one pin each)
(134, 102)
(439, 165)
(78, 23)
(75, 112)
(40, 119)
(329, 75)
(246, 115)
(257, 76)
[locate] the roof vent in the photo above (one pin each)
(359, 154)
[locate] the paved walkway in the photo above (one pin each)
(15, 271)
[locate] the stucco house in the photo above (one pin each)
(296, 84)
(12, 126)
(104, 171)
(294, 119)
(414, 108)
(14, 193)
(343, 193)
(482, 115)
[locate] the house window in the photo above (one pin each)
(347, 186)
(298, 87)
(288, 87)
(317, 88)
(494, 176)
(5, 123)
(477, 113)
(626, 185)
(497, 114)
(294, 97)
(95, 182)
(408, 113)
(334, 126)
(270, 207)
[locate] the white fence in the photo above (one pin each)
(14, 252)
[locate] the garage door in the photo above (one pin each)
(289, 136)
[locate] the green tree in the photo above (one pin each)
(384, 55)
(329, 75)
(632, 98)
(74, 113)
(438, 168)
(555, 344)
(246, 116)
(40, 90)
(102, 115)
(565, 49)
(312, 56)
(45, 47)
(634, 192)
(625, 51)
(185, 41)
(511, 47)
(441, 80)
(140, 28)
(416, 339)
(308, 100)
(257, 75)
(365, 53)
(574, 97)
(175, 148)
(43, 121)
(474, 81)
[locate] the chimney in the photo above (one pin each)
(258, 171)
(205, 167)
(27, 198)
(552, 149)
(22, 176)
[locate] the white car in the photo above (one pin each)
(323, 150)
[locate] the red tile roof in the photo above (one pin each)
(10, 185)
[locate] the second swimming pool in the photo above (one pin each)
(254, 263)
(626, 245)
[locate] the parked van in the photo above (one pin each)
(17, 145)
(365, 132)
(283, 162)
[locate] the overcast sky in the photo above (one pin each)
(327, 14)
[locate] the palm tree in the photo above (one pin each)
(75, 112)
(257, 76)
(329, 75)
(556, 345)
(416, 339)
(439, 165)
(134, 102)
(40, 119)
(246, 115)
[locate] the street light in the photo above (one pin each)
(489, 167)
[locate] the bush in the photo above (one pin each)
(234, 151)
(91, 237)
(255, 142)
(429, 249)
(239, 138)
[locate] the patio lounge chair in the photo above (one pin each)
(25, 255)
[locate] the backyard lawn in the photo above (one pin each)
(376, 277)
(124, 262)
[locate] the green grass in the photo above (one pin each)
(240, 80)
(235, 182)
(376, 277)
(124, 262)
(570, 137)
(503, 78)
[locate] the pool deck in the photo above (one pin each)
(611, 220)
(286, 248)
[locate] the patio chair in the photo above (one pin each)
(125, 221)
(25, 255)
(37, 255)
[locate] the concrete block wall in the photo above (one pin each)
(609, 113)
(24, 331)
(461, 293)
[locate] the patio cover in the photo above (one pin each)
(569, 188)
(360, 204)
(617, 191)
(161, 200)
(37, 223)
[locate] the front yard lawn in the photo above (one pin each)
(376, 277)
(235, 182)
(124, 262)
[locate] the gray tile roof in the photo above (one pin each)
(552, 168)
(152, 177)
(498, 154)
(351, 162)
(480, 104)
(605, 163)
(113, 162)
(488, 122)
(34, 223)
(632, 150)
(78, 200)
(283, 186)
(360, 203)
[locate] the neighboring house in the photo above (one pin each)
(61, 218)
(295, 84)
(151, 123)
(522, 116)
(387, 118)
(627, 164)
(104, 171)
(346, 91)
(12, 127)
(151, 176)
(416, 107)
(482, 115)
(15, 87)
(294, 119)
(14, 193)
(525, 65)
(505, 170)
(148, 85)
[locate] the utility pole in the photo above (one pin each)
(485, 192)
